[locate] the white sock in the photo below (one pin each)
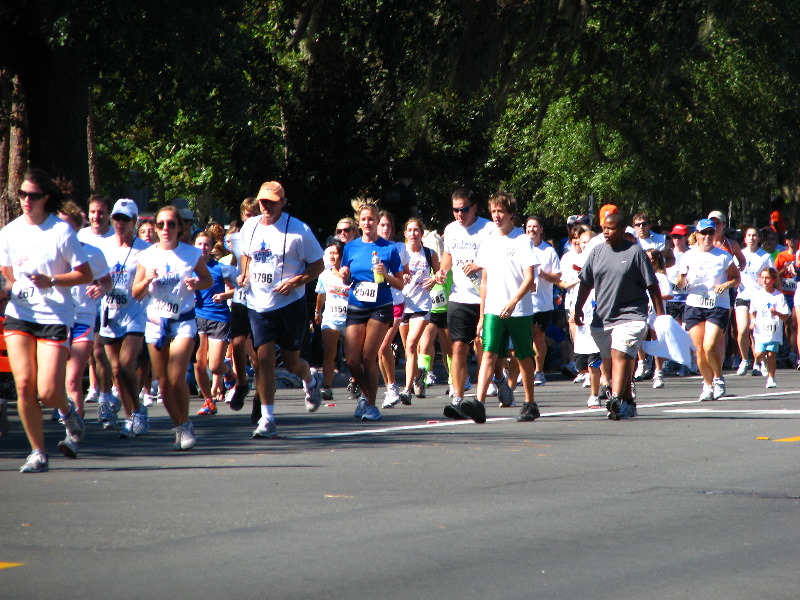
(268, 411)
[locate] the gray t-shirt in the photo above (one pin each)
(620, 279)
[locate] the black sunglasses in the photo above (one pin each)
(22, 194)
(461, 210)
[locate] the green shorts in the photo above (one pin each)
(497, 331)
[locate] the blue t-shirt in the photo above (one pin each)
(205, 307)
(358, 258)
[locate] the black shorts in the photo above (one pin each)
(543, 319)
(741, 302)
(285, 326)
(52, 333)
(359, 316)
(240, 321)
(103, 341)
(416, 315)
(693, 315)
(462, 321)
(439, 319)
(582, 361)
(215, 330)
(675, 310)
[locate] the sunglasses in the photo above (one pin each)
(677, 236)
(22, 194)
(642, 224)
(345, 230)
(121, 218)
(166, 224)
(461, 210)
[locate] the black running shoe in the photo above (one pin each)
(453, 411)
(613, 406)
(529, 412)
(474, 409)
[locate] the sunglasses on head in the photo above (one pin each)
(22, 194)
(166, 224)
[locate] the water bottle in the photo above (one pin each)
(375, 262)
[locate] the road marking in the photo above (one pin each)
(794, 439)
(754, 411)
(8, 565)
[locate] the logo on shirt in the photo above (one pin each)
(264, 254)
(169, 277)
(119, 274)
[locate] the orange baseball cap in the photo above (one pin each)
(607, 209)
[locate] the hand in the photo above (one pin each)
(94, 291)
(40, 281)
(284, 288)
(191, 283)
(577, 316)
(242, 279)
(428, 283)
(508, 309)
(441, 276)
(217, 298)
(722, 287)
(406, 278)
(380, 269)
(344, 273)
(470, 268)
(150, 275)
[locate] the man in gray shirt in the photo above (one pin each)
(621, 275)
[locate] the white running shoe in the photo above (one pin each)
(719, 388)
(587, 381)
(771, 382)
(265, 429)
(658, 380)
(708, 393)
(36, 463)
(314, 393)
(744, 367)
(580, 377)
(392, 396)
(594, 402)
(92, 395)
(185, 438)
(491, 390)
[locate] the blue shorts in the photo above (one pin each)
(694, 315)
(82, 333)
(284, 326)
(762, 347)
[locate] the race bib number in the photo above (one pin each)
(789, 284)
(167, 309)
(263, 279)
(707, 300)
(438, 299)
(116, 299)
(366, 291)
(768, 328)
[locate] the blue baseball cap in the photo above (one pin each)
(703, 224)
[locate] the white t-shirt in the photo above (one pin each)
(336, 295)
(705, 271)
(462, 244)
(756, 261)
(548, 263)
(656, 241)
(398, 297)
(51, 248)
(86, 236)
(504, 257)
(277, 252)
(169, 297)
(767, 328)
(569, 274)
(584, 342)
(678, 295)
(119, 302)
(85, 307)
(417, 298)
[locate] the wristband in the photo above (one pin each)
(53, 281)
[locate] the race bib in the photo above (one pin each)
(438, 299)
(167, 309)
(116, 300)
(789, 284)
(707, 300)
(263, 280)
(366, 291)
(26, 293)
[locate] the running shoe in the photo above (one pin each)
(453, 410)
(756, 372)
(107, 414)
(718, 385)
(683, 371)
(92, 395)
(708, 393)
(353, 391)
(658, 380)
(238, 396)
(579, 378)
(209, 408)
(185, 438)
(491, 391)
(371, 413)
(587, 381)
(771, 382)
(474, 409)
(405, 397)
(391, 397)
(627, 410)
(638, 375)
(314, 393)
(327, 392)
(141, 421)
(744, 367)
(418, 385)
(36, 463)
(430, 380)
(229, 379)
(504, 393)
(613, 407)
(265, 429)
(73, 424)
(360, 407)
(594, 402)
(569, 370)
(604, 391)
(529, 412)
(539, 378)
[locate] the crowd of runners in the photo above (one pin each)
(141, 304)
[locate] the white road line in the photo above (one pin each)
(783, 411)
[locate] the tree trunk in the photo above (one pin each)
(91, 146)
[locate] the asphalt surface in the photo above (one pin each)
(689, 500)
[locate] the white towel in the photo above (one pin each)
(672, 341)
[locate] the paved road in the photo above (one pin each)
(684, 502)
